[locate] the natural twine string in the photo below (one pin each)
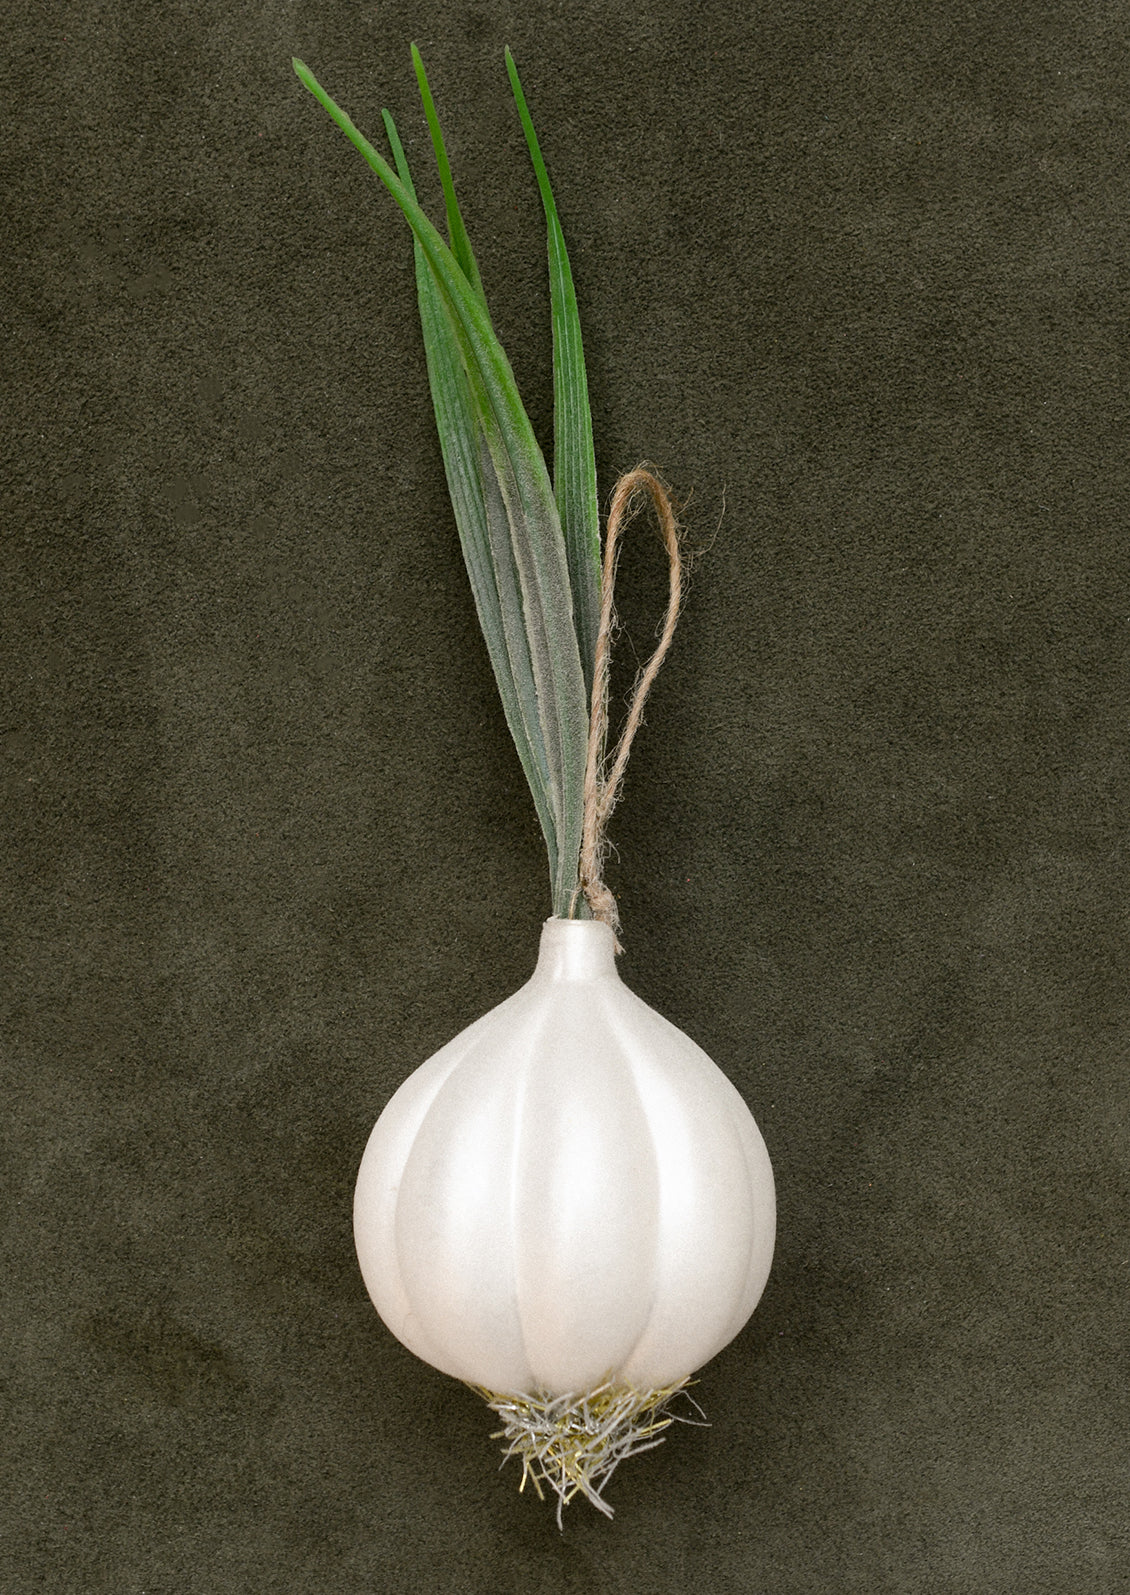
(603, 776)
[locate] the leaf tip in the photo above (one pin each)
(304, 75)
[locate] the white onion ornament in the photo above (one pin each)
(569, 1206)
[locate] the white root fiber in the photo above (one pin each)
(573, 1443)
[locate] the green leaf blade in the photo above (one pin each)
(574, 459)
(534, 527)
(477, 507)
(456, 231)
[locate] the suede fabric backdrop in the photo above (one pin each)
(856, 277)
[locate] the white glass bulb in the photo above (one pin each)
(569, 1195)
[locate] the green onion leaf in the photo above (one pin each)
(496, 464)
(456, 232)
(574, 462)
(481, 522)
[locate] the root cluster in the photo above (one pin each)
(573, 1443)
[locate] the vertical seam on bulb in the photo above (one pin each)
(532, 1045)
(623, 1037)
(732, 1320)
(460, 1056)
(740, 1313)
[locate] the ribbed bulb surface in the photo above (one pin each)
(569, 1190)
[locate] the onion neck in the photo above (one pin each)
(576, 949)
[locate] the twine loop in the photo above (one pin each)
(603, 774)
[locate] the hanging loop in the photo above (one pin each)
(603, 775)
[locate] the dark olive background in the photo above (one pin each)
(857, 276)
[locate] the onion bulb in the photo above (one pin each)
(570, 1208)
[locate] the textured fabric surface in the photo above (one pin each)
(855, 276)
